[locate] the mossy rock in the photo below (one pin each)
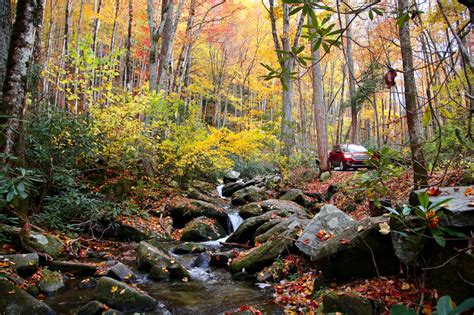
(122, 296)
(288, 225)
(51, 281)
(149, 256)
(74, 267)
(189, 248)
(297, 195)
(260, 257)
(22, 263)
(15, 301)
(92, 308)
(251, 210)
(202, 229)
(121, 272)
(248, 195)
(350, 304)
(46, 243)
(158, 273)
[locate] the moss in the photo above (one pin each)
(16, 301)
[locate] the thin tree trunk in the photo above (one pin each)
(5, 31)
(420, 174)
(98, 9)
(128, 77)
(350, 66)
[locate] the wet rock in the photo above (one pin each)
(178, 272)
(189, 248)
(51, 281)
(45, 243)
(350, 304)
(16, 301)
(92, 308)
(202, 261)
(111, 311)
(121, 272)
(359, 251)
(148, 256)
(202, 229)
(222, 259)
(297, 195)
(247, 195)
(22, 263)
(260, 257)
(183, 210)
(231, 188)
(250, 210)
(74, 267)
(330, 219)
(122, 296)
(242, 276)
(159, 273)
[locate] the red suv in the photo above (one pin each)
(347, 156)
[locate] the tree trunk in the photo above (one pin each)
(319, 111)
(350, 66)
(98, 8)
(420, 175)
(5, 31)
(128, 77)
(20, 53)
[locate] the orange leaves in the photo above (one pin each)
(345, 241)
(433, 191)
(323, 235)
(469, 192)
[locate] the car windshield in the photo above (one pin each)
(356, 148)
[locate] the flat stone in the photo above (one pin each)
(77, 268)
(121, 272)
(22, 263)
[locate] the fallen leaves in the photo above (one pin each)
(344, 241)
(469, 192)
(323, 235)
(433, 191)
(114, 289)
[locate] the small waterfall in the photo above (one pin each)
(235, 219)
(219, 190)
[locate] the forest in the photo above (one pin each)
(237, 157)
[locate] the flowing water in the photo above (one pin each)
(209, 291)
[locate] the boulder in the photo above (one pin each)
(45, 243)
(92, 308)
(51, 281)
(159, 273)
(22, 263)
(247, 195)
(350, 304)
(130, 233)
(359, 251)
(231, 176)
(246, 231)
(231, 188)
(189, 248)
(122, 296)
(148, 256)
(288, 226)
(331, 220)
(283, 205)
(260, 257)
(222, 259)
(178, 272)
(183, 210)
(16, 301)
(250, 210)
(74, 267)
(458, 211)
(202, 229)
(297, 195)
(202, 186)
(202, 261)
(121, 272)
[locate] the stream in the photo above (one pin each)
(210, 290)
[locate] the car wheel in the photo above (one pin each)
(341, 166)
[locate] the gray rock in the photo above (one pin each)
(22, 263)
(231, 188)
(330, 219)
(202, 261)
(231, 176)
(288, 226)
(77, 268)
(247, 195)
(360, 251)
(148, 256)
(202, 229)
(121, 272)
(15, 301)
(92, 308)
(297, 195)
(458, 212)
(122, 296)
(51, 281)
(283, 205)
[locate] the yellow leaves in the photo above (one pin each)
(114, 289)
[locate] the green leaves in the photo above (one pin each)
(443, 307)
(400, 309)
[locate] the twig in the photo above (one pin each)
(450, 259)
